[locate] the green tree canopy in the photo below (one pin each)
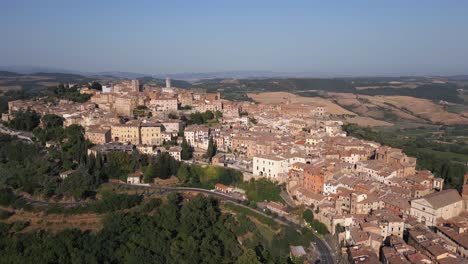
(25, 120)
(187, 150)
(51, 121)
(308, 216)
(96, 86)
(211, 151)
(163, 167)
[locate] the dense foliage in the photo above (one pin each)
(35, 170)
(201, 118)
(51, 121)
(163, 167)
(119, 164)
(96, 86)
(315, 224)
(308, 216)
(191, 232)
(25, 120)
(69, 93)
(187, 150)
(23, 168)
(110, 202)
(211, 151)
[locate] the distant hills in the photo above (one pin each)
(222, 75)
(8, 74)
(120, 75)
(458, 77)
(34, 69)
(195, 76)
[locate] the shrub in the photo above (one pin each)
(5, 214)
(18, 226)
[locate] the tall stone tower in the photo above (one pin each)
(465, 185)
(168, 82)
(465, 191)
(135, 85)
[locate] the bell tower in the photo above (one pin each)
(465, 191)
(465, 186)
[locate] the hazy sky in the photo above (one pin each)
(337, 37)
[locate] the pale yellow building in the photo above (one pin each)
(437, 206)
(136, 132)
(127, 133)
(151, 134)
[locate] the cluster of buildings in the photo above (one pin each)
(381, 207)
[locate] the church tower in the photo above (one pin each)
(465, 186)
(465, 191)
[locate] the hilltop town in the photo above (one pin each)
(371, 197)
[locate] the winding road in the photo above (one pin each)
(20, 134)
(321, 245)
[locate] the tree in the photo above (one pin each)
(172, 116)
(178, 231)
(69, 93)
(51, 121)
(26, 120)
(149, 173)
(319, 227)
(218, 114)
(96, 86)
(201, 118)
(78, 185)
(249, 257)
(339, 229)
(140, 111)
(211, 151)
(183, 174)
(308, 216)
(163, 167)
(187, 150)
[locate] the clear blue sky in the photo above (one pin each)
(333, 37)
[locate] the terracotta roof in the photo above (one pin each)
(442, 198)
(461, 239)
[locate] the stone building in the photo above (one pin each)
(98, 135)
(437, 206)
(136, 132)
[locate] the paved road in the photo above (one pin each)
(322, 247)
(286, 198)
(20, 134)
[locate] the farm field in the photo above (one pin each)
(407, 108)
